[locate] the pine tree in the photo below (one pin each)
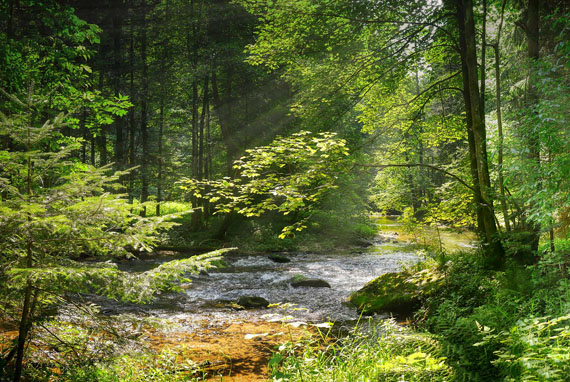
(54, 209)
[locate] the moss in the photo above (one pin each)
(391, 292)
(398, 293)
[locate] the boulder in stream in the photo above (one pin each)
(252, 302)
(277, 258)
(391, 292)
(311, 283)
(395, 292)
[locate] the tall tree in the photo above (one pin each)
(477, 133)
(144, 109)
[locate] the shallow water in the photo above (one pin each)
(257, 275)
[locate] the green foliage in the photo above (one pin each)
(533, 349)
(289, 176)
(54, 210)
(169, 365)
(493, 325)
(380, 352)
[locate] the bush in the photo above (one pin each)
(380, 352)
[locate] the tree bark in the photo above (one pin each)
(201, 169)
(477, 136)
(224, 112)
(501, 180)
(132, 127)
(102, 138)
(533, 140)
(483, 58)
(29, 262)
(117, 59)
(161, 115)
(144, 112)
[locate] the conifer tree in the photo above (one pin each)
(55, 209)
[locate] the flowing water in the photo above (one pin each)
(236, 345)
(257, 275)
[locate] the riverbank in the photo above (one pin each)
(471, 324)
(204, 334)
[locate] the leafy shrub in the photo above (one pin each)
(381, 352)
(166, 366)
(534, 349)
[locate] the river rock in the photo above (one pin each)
(364, 243)
(391, 292)
(311, 283)
(252, 302)
(279, 258)
(397, 293)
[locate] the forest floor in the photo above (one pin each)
(221, 352)
(225, 352)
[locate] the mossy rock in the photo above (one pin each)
(310, 283)
(277, 258)
(252, 302)
(391, 292)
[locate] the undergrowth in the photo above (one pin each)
(381, 351)
(475, 325)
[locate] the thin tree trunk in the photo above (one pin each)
(132, 111)
(208, 161)
(500, 121)
(102, 138)
(11, 21)
(194, 59)
(196, 215)
(201, 169)
(144, 116)
(483, 58)
(421, 185)
(160, 159)
(119, 139)
(161, 115)
(477, 200)
(85, 134)
(24, 324)
(92, 159)
(533, 140)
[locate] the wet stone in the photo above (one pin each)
(279, 258)
(252, 302)
(311, 283)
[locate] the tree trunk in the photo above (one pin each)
(160, 144)
(205, 104)
(144, 112)
(161, 115)
(500, 121)
(195, 22)
(117, 59)
(24, 320)
(85, 135)
(477, 136)
(132, 126)
(483, 69)
(533, 140)
(102, 138)
(224, 111)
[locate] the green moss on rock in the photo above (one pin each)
(391, 292)
(397, 292)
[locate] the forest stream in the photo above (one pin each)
(238, 343)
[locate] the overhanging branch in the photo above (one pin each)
(409, 165)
